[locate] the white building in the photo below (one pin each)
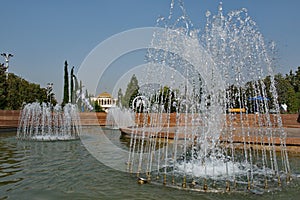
(105, 100)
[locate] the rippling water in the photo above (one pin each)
(66, 170)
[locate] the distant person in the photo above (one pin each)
(298, 120)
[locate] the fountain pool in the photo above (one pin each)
(66, 170)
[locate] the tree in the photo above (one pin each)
(286, 93)
(79, 102)
(167, 99)
(66, 85)
(76, 88)
(72, 86)
(294, 79)
(3, 87)
(297, 80)
(120, 97)
(132, 91)
(98, 107)
(19, 91)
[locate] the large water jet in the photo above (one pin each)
(223, 68)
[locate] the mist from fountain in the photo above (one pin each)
(222, 67)
(118, 117)
(43, 122)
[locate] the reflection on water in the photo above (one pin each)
(56, 170)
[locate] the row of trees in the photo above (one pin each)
(15, 91)
(287, 88)
(164, 96)
(253, 93)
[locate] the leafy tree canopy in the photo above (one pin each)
(16, 91)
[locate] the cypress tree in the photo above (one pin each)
(66, 85)
(72, 86)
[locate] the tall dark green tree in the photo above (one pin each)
(72, 86)
(132, 91)
(66, 85)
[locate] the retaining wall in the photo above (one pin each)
(10, 118)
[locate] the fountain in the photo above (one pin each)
(43, 122)
(191, 138)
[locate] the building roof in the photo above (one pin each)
(104, 95)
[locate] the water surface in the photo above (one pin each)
(66, 170)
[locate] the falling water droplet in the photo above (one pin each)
(207, 14)
(220, 8)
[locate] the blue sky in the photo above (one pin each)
(43, 34)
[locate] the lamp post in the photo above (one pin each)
(7, 56)
(49, 91)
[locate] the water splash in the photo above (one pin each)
(118, 117)
(43, 122)
(223, 69)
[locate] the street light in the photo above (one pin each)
(49, 91)
(7, 57)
